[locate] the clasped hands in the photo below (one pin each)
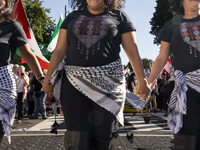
(142, 89)
(47, 87)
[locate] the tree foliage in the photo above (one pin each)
(145, 62)
(160, 17)
(40, 22)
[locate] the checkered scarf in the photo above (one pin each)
(8, 95)
(178, 100)
(135, 101)
(105, 85)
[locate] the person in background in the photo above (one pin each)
(22, 83)
(162, 91)
(93, 85)
(154, 93)
(12, 37)
(171, 82)
(15, 68)
(39, 100)
(131, 82)
(30, 95)
(181, 37)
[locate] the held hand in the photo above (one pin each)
(47, 87)
(143, 90)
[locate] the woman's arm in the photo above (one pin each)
(26, 81)
(130, 46)
(160, 62)
(57, 57)
(30, 59)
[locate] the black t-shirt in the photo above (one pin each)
(11, 36)
(95, 39)
(184, 38)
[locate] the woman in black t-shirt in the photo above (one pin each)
(12, 37)
(93, 89)
(181, 35)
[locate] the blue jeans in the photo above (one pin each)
(39, 102)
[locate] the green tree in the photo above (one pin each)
(40, 22)
(145, 62)
(160, 17)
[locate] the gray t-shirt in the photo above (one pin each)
(12, 36)
(95, 40)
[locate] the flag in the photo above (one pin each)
(167, 67)
(43, 48)
(54, 38)
(21, 15)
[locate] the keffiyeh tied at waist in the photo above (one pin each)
(8, 95)
(178, 100)
(105, 85)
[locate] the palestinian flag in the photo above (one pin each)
(54, 38)
(21, 15)
(167, 67)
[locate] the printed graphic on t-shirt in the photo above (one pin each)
(89, 31)
(190, 32)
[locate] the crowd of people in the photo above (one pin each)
(31, 101)
(90, 84)
(161, 90)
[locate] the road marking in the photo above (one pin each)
(120, 134)
(140, 125)
(160, 115)
(46, 125)
(137, 122)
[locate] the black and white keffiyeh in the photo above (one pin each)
(8, 95)
(105, 85)
(178, 100)
(135, 101)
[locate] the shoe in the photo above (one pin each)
(155, 111)
(18, 121)
(44, 117)
(32, 117)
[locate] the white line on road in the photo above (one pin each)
(46, 125)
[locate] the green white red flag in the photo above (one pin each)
(21, 15)
(54, 38)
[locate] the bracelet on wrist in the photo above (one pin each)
(42, 78)
(39, 76)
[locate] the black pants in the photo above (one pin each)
(20, 105)
(191, 121)
(82, 114)
(1, 132)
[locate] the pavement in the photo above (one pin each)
(34, 134)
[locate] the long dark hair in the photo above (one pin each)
(109, 4)
(176, 7)
(7, 12)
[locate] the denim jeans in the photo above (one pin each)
(39, 102)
